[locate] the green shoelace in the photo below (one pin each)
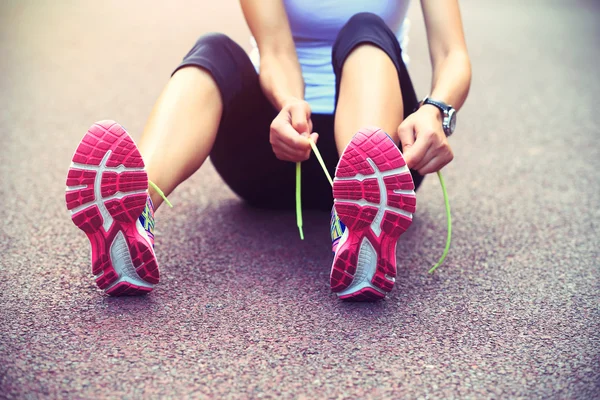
(449, 219)
(160, 192)
(299, 202)
(298, 184)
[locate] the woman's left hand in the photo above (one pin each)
(424, 145)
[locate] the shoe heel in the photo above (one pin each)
(107, 188)
(374, 197)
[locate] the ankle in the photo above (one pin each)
(155, 198)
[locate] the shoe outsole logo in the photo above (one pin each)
(107, 187)
(374, 197)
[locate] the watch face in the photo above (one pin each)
(452, 120)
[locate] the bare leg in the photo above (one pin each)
(369, 95)
(181, 130)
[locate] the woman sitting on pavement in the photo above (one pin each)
(329, 72)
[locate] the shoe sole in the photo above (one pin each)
(107, 188)
(374, 197)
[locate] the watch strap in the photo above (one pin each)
(439, 104)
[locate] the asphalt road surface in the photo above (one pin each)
(244, 309)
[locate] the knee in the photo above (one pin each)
(214, 40)
(217, 53)
(363, 23)
(364, 28)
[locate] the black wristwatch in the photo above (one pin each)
(448, 114)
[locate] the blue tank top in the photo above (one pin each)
(315, 25)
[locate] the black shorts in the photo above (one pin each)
(242, 154)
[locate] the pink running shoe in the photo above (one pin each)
(107, 192)
(375, 200)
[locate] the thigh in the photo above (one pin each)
(242, 154)
(370, 28)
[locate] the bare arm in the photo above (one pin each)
(281, 79)
(426, 147)
(448, 51)
(280, 73)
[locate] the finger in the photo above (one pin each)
(300, 116)
(427, 158)
(289, 157)
(308, 131)
(293, 157)
(417, 151)
(284, 147)
(286, 133)
(314, 137)
(406, 134)
(285, 155)
(436, 163)
(438, 147)
(432, 152)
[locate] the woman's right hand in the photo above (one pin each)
(291, 130)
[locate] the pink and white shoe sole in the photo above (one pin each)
(375, 198)
(107, 188)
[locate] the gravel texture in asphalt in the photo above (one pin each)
(244, 309)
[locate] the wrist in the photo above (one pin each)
(432, 111)
(289, 100)
(447, 114)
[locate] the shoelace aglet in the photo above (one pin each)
(160, 193)
(299, 199)
(449, 218)
(318, 154)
